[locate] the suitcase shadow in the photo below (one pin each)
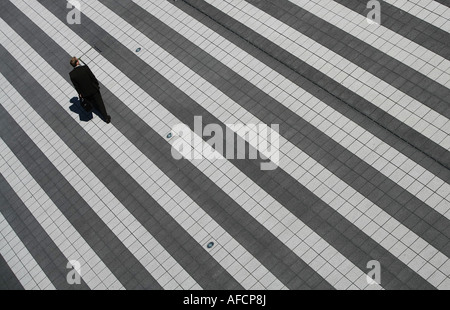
(78, 109)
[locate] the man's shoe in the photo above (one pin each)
(108, 119)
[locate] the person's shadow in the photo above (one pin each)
(78, 109)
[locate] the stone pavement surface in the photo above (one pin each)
(357, 193)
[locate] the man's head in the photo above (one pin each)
(74, 62)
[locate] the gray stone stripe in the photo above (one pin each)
(381, 124)
(275, 188)
(105, 244)
(48, 256)
(8, 280)
(201, 266)
(360, 53)
(270, 251)
(348, 167)
(407, 25)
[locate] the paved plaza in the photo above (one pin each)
(253, 145)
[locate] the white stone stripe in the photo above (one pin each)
(55, 224)
(201, 226)
(20, 260)
(314, 250)
(403, 171)
(387, 41)
(429, 11)
(319, 181)
(406, 109)
(121, 222)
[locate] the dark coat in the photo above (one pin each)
(84, 81)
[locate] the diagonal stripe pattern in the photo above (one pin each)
(411, 256)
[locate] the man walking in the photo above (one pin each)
(88, 87)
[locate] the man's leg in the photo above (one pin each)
(98, 101)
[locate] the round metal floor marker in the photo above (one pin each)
(138, 50)
(210, 245)
(169, 136)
